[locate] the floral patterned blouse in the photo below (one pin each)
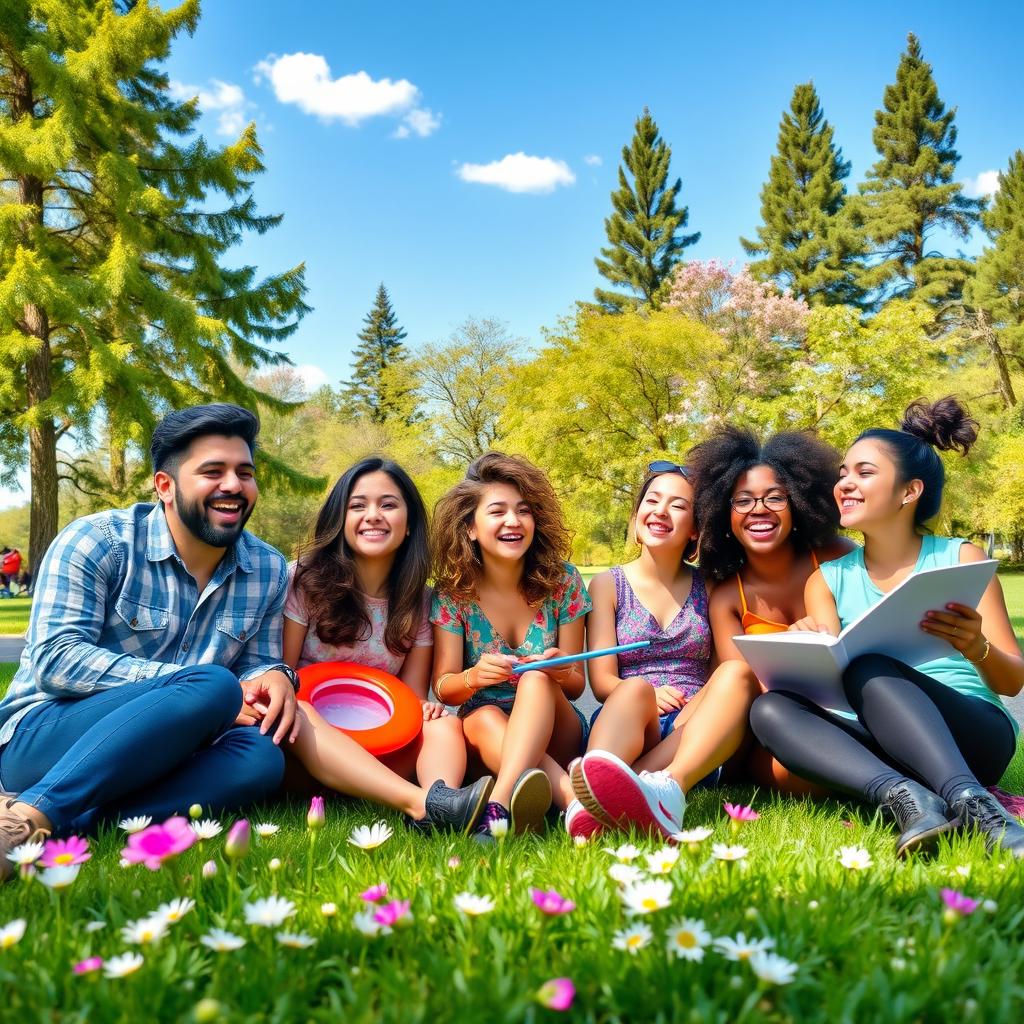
(569, 601)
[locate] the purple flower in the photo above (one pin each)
(391, 913)
(375, 893)
(64, 852)
(87, 966)
(958, 905)
(557, 994)
(315, 817)
(153, 845)
(551, 902)
(738, 812)
(236, 846)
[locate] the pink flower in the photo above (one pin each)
(153, 845)
(315, 817)
(557, 994)
(236, 846)
(740, 813)
(64, 852)
(958, 905)
(375, 893)
(551, 902)
(454, 862)
(87, 966)
(391, 913)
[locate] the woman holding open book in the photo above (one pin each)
(926, 740)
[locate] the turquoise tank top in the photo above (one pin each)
(854, 593)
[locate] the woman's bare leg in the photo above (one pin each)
(566, 741)
(629, 721)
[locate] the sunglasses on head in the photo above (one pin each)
(664, 466)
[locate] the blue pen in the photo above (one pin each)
(568, 659)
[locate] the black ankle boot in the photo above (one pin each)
(980, 810)
(922, 816)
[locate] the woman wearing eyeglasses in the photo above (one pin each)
(767, 519)
(665, 724)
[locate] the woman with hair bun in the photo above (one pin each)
(927, 740)
(767, 519)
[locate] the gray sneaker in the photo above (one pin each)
(980, 810)
(454, 810)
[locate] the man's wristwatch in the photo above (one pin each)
(293, 676)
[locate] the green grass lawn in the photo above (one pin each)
(14, 614)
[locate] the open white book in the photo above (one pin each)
(812, 664)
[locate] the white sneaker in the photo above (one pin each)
(650, 801)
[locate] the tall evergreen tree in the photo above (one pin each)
(806, 243)
(644, 228)
(113, 296)
(373, 392)
(910, 192)
(997, 291)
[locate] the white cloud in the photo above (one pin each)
(224, 97)
(518, 172)
(592, 160)
(312, 376)
(304, 79)
(985, 184)
(419, 121)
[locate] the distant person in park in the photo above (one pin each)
(506, 596)
(10, 567)
(155, 638)
(767, 519)
(925, 741)
(668, 721)
(358, 592)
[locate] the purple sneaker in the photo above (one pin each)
(493, 824)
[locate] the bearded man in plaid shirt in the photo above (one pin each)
(152, 676)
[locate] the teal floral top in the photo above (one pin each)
(569, 601)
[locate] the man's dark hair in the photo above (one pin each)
(178, 429)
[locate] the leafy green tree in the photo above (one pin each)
(806, 243)
(372, 392)
(997, 291)
(910, 193)
(114, 299)
(645, 225)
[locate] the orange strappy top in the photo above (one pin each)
(754, 624)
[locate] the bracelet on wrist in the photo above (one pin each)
(985, 653)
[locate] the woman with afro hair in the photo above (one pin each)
(767, 519)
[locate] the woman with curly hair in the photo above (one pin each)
(766, 519)
(665, 725)
(358, 593)
(922, 741)
(505, 595)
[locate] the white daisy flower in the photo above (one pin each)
(662, 861)
(625, 854)
(265, 829)
(687, 939)
(123, 965)
(646, 896)
(207, 828)
(989, 906)
(856, 858)
(625, 874)
(369, 837)
(59, 877)
(897, 963)
(962, 870)
(364, 922)
(296, 940)
(722, 851)
(771, 967)
(692, 836)
(472, 905)
(12, 932)
(270, 912)
(25, 854)
(274, 864)
(174, 911)
(632, 939)
(328, 909)
(742, 948)
(136, 824)
(498, 828)
(221, 941)
(146, 931)
(95, 926)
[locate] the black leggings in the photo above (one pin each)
(908, 724)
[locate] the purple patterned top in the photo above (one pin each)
(680, 655)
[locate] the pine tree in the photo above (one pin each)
(806, 242)
(644, 227)
(114, 303)
(373, 392)
(997, 291)
(910, 192)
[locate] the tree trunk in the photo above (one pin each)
(1005, 384)
(118, 472)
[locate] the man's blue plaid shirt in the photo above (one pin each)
(114, 604)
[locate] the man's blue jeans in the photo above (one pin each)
(144, 748)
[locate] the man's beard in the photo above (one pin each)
(193, 516)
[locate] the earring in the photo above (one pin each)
(793, 530)
(728, 534)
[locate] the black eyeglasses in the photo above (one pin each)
(664, 466)
(771, 502)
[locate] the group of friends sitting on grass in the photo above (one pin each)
(161, 656)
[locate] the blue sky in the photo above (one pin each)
(332, 88)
